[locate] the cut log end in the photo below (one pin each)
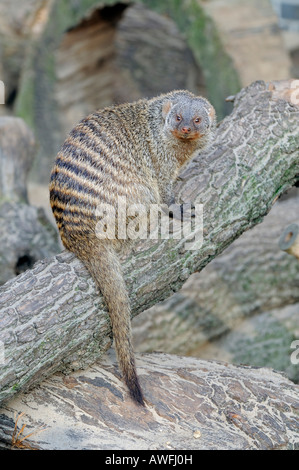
(287, 90)
(289, 240)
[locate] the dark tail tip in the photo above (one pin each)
(135, 391)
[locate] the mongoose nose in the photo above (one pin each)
(186, 130)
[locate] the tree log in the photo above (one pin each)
(191, 404)
(53, 319)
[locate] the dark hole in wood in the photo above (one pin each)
(24, 262)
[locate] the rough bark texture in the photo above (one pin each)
(52, 318)
(191, 404)
(252, 277)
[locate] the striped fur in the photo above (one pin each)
(135, 151)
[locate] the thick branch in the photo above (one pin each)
(51, 316)
(191, 404)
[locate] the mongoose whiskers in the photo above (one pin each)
(133, 150)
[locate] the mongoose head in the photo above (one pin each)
(188, 119)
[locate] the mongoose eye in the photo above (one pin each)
(197, 120)
(178, 118)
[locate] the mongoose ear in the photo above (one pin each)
(166, 108)
(212, 113)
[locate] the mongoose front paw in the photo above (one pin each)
(182, 211)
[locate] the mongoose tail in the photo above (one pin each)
(105, 268)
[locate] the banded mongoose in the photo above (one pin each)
(134, 150)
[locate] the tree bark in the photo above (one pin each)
(53, 319)
(191, 404)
